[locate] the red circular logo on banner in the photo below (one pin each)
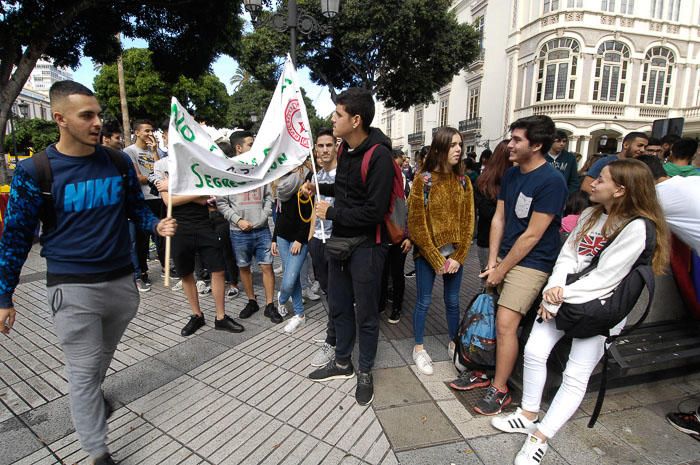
(295, 123)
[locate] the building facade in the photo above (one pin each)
(599, 68)
(45, 74)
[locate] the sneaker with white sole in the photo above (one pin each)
(232, 293)
(515, 422)
(294, 323)
(282, 308)
(532, 451)
(423, 362)
(323, 355)
(451, 350)
(309, 294)
(203, 288)
(177, 286)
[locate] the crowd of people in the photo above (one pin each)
(535, 217)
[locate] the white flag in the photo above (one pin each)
(197, 166)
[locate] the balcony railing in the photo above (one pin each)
(417, 138)
(608, 109)
(470, 124)
(554, 108)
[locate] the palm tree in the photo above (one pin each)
(240, 76)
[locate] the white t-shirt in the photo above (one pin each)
(680, 200)
(144, 161)
(325, 177)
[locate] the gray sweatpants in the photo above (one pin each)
(89, 320)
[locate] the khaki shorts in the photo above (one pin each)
(520, 288)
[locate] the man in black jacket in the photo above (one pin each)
(358, 212)
(564, 161)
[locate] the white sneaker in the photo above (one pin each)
(294, 323)
(451, 350)
(281, 308)
(202, 287)
(232, 293)
(323, 355)
(515, 422)
(423, 362)
(308, 293)
(177, 286)
(532, 451)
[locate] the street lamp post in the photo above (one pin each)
(296, 20)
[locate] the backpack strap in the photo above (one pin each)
(427, 184)
(364, 168)
(47, 211)
(118, 160)
(647, 275)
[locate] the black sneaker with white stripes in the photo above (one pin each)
(514, 422)
(532, 451)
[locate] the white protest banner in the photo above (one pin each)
(197, 166)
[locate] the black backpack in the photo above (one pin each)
(47, 211)
(596, 317)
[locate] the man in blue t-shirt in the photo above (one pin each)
(523, 245)
(633, 145)
(89, 283)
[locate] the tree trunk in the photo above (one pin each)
(4, 171)
(122, 100)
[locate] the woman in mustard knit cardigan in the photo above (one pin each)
(440, 224)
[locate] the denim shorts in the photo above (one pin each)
(249, 244)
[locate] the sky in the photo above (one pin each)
(223, 68)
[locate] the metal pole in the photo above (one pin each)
(292, 24)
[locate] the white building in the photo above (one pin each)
(45, 74)
(599, 68)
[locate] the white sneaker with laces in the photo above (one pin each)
(514, 422)
(323, 355)
(423, 362)
(309, 294)
(281, 308)
(315, 287)
(532, 451)
(177, 286)
(294, 323)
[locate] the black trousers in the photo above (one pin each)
(319, 262)
(395, 261)
(356, 280)
(143, 239)
(223, 230)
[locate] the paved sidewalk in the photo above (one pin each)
(245, 398)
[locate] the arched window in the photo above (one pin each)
(556, 69)
(611, 68)
(657, 73)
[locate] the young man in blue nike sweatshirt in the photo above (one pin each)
(89, 281)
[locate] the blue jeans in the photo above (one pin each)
(249, 244)
(425, 277)
(291, 281)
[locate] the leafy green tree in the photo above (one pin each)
(402, 50)
(253, 98)
(185, 36)
(35, 133)
(148, 95)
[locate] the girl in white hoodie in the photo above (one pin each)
(624, 190)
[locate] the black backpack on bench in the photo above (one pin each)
(47, 211)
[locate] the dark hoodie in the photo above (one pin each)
(359, 206)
